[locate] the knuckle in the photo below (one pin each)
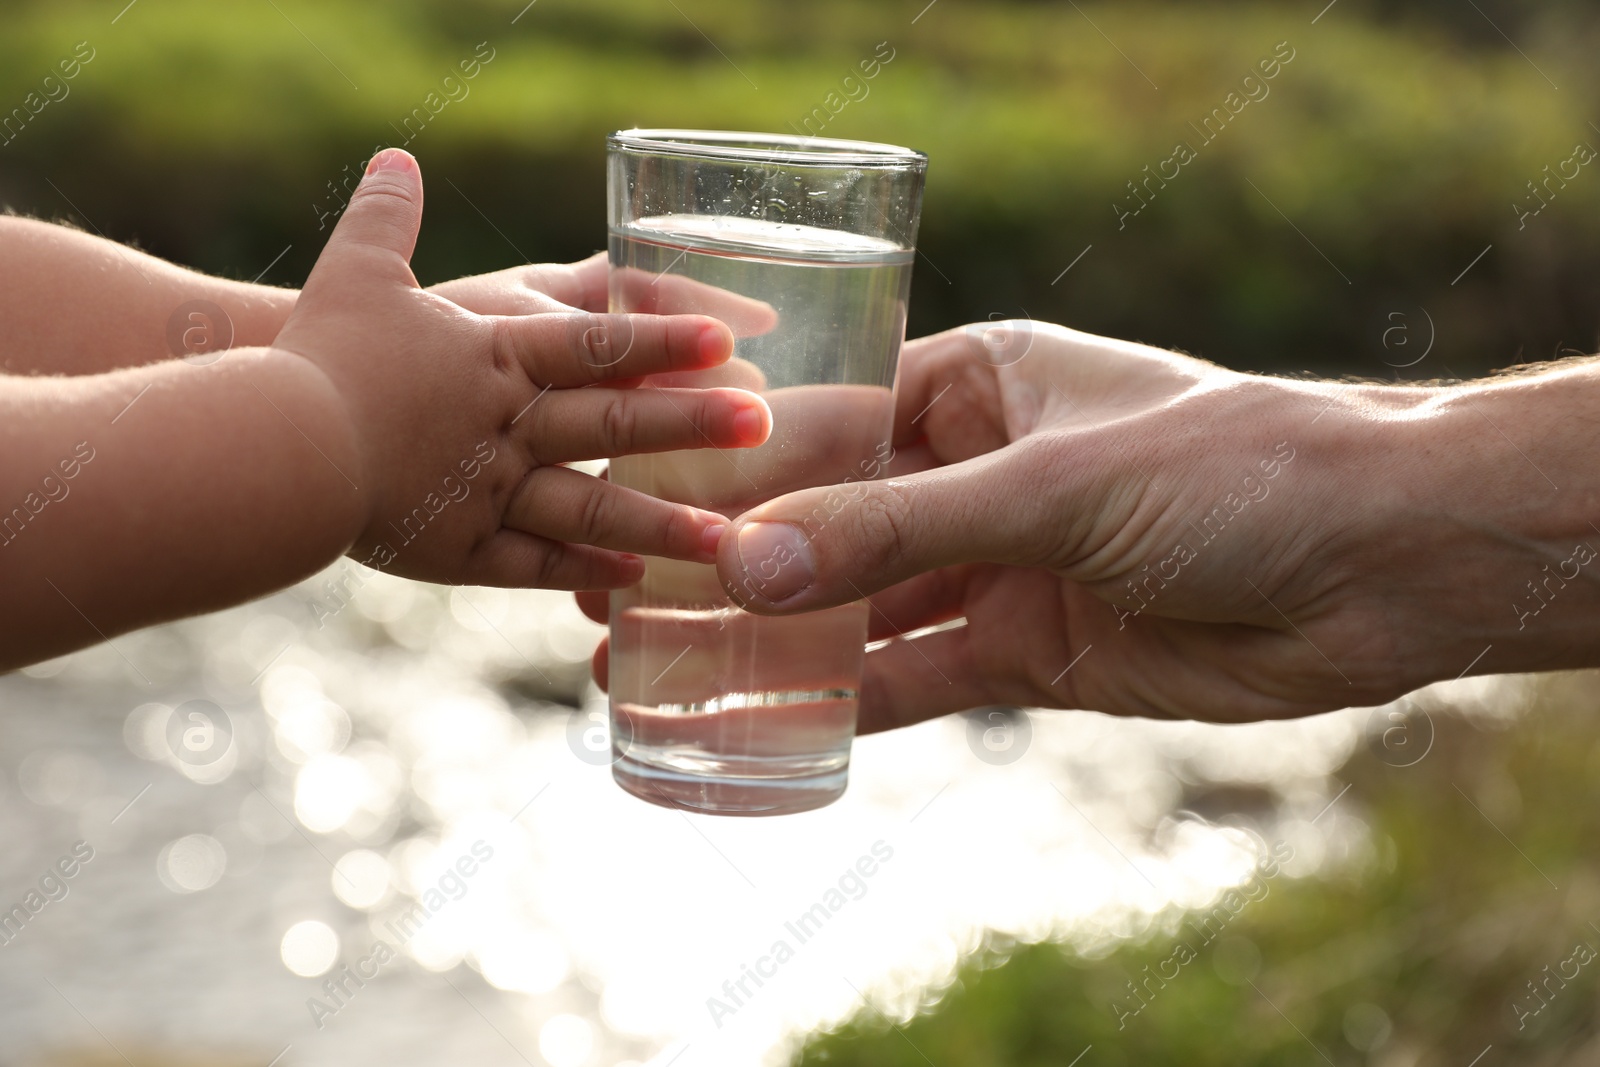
(562, 283)
(597, 513)
(885, 529)
(602, 342)
(593, 342)
(683, 336)
(1048, 499)
(503, 346)
(518, 501)
(386, 193)
(666, 341)
(704, 424)
(548, 567)
(618, 425)
(678, 526)
(541, 278)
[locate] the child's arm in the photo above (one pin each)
(74, 303)
(79, 304)
(384, 421)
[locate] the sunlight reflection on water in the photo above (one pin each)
(391, 746)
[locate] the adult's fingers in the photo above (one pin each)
(924, 600)
(928, 367)
(562, 504)
(971, 390)
(905, 682)
(672, 294)
(950, 395)
(912, 459)
(582, 349)
(573, 424)
(820, 547)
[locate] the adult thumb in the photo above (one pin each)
(385, 211)
(830, 545)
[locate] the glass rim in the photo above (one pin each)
(787, 149)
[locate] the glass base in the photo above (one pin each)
(698, 781)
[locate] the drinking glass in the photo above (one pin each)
(803, 246)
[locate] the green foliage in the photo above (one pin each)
(1389, 154)
(1394, 145)
(1441, 925)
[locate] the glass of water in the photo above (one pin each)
(803, 246)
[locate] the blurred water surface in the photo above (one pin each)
(387, 738)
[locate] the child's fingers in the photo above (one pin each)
(501, 293)
(580, 349)
(574, 424)
(567, 505)
(673, 294)
(736, 374)
(518, 560)
(582, 284)
(835, 435)
(385, 211)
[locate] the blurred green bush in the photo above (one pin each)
(1427, 946)
(1387, 156)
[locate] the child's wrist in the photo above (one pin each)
(257, 312)
(322, 416)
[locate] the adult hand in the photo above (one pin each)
(1134, 531)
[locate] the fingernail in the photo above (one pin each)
(711, 538)
(713, 344)
(632, 567)
(748, 425)
(392, 159)
(776, 560)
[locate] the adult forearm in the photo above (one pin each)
(1489, 499)
(78, 304)
(206, 485)
(1546, 502)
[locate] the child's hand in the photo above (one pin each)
(459, 422)
(532, 288)
(588, 285)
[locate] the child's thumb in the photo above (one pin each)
(385, 211)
